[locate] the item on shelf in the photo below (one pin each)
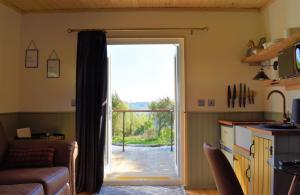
(253, 49)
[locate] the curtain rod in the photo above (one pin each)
(205, 28)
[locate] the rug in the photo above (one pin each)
(142, 190)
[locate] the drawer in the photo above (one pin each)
(243, 137)
(227, 136)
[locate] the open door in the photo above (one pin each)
(177, 106)
(108, 139)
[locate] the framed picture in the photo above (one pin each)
(31, 58)
(53, 68)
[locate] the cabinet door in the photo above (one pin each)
(261, 170)
(242, 170)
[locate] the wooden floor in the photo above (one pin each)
(189, 192)
(202, 192)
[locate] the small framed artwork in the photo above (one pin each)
(53, 68)
(31, 58)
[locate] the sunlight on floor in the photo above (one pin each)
(142, 162)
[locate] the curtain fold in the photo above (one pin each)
(91, 97)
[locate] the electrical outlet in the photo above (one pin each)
(201, 103)
(211, 102)
(73, 102)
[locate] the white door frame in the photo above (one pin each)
(181, 109)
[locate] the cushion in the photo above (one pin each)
(22, 189)
(29, 157)
(52, 178)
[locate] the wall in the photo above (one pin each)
(277, 18)
(212, 61)
(10, 45)
(212, 58)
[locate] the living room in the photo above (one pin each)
(215, 40)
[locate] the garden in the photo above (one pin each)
(145, 128)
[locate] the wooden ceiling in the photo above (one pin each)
(28, 6)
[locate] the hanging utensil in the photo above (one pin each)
(252, 96)
(249, 96)
(233, 96)
(244, 96)
(240, 95)
(228, 96)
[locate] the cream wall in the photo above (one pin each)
(277, 18)
(212, 58)
(10, 41)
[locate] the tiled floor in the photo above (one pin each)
(142, 162)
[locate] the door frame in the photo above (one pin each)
(180, 180)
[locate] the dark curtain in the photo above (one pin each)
(91, 96)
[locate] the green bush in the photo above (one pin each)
(163, 139)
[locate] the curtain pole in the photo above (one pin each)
(205, 28)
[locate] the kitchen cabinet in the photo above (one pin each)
(241, 166)
(254, 149)
(261, 153)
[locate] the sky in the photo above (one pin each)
(144, 72)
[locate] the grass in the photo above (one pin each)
(141, 140)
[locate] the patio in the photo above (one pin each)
(142, 162)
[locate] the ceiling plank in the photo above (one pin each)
(29, 6)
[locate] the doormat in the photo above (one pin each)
(142, 190)
(130, 178)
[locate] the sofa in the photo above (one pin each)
(57, 177)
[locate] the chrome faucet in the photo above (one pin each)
(286, 119)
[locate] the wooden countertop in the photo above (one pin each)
(268, 131)
(243, 123)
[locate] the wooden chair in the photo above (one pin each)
(223, 174)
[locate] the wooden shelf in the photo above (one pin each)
(289, 84)
(273, 50)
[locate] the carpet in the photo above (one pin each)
(142, 190)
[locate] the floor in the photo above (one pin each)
(202, 192)
(189, 192)
(141, 162)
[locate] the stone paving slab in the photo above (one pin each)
(142, 161)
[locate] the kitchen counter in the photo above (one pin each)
(270, 131)
(242, 123)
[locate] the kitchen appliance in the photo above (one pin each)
(289, 62)
(296, 111)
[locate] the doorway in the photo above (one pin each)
(145, 134)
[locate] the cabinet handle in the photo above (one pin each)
(250, 149)
(270, 149)
(248, 175)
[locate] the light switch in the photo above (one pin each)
(73, 102)
(201, 103)
(211, 102)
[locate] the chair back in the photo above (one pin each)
(223, 174)
(3, 143)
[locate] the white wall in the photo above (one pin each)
(277, 18)
(212, 58)
(10, 45)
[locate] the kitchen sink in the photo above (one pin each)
(281, 126)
